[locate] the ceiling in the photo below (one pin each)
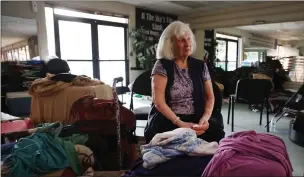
(15, 29)
(185, 7)
(289, 31)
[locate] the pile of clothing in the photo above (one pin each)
(16, 78)
(44, 152)
(179, 150)
(167, 145)
(32, 70)
(244, 153)
(21, 74)
(66, 89)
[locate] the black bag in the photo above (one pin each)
(299, 123)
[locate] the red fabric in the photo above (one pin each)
(127, 117)
(104, 113)
(130, 151)
(90, 108)
(68, 172)
(15, 126)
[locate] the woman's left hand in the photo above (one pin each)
(199, 132)
(204, 124)
(198, 129)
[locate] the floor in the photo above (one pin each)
(248, 120)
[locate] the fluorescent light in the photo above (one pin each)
(282, 30)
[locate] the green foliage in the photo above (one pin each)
(140, 43)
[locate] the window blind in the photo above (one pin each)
(295, 67)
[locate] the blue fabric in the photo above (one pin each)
(168, 145)
(6, 150)
(180, 166)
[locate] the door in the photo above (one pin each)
(97, 49)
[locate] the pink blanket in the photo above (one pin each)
(249, 153)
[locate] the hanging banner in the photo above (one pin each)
(208, 40)
(153, 23)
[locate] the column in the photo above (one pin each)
(41, 31)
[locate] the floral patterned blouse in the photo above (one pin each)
(182, 88)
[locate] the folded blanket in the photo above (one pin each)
(249, 153)
(167, 145)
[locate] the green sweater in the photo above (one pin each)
(44, 152)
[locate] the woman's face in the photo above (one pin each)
(183, 45)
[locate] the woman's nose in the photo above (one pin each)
(186, 43)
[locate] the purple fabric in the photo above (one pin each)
(249, 153)
(182, 88)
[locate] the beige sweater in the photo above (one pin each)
(53, 100)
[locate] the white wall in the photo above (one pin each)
(199, 38)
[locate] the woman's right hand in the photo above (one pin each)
(182, 124)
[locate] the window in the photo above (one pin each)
(16, 54)
(27, 52)
(96, 46)
(9, 55)
(227, 52)
(253, 56)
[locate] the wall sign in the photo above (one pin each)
(208, 40)
(153, 24)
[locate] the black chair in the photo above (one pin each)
(253, 91)
(217, 108)
(120, 90)
(292, 106)
(142, 86)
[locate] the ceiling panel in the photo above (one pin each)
(167, 7)
(19, 26)
(282, 31)
(15, 29)
(185, 7)
(190, 4)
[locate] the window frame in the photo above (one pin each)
(94, 35)
(226, 56)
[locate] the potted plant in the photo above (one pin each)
(140, 43)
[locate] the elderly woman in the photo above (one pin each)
(181, 88)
